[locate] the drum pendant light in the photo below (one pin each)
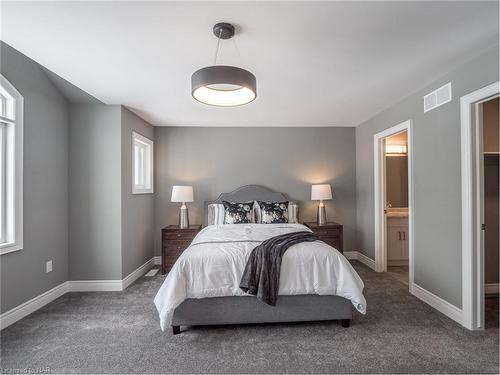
(223, 85)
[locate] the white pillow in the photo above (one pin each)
(293, 212)
(215, 214)
(256, 213)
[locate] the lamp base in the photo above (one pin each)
(321, 216)
(183, 217)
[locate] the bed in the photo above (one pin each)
(202, 288)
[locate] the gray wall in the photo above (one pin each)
(288, 160)
(137, 209)
(95, 192)
(437, 184)
(45, 184)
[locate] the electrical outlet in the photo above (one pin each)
(48, 266)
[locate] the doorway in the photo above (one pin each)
(480, 180)
(396, 206)
(393, 175)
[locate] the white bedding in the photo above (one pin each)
(214, 262)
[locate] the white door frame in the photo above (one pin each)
(472, 252)
(379, 189)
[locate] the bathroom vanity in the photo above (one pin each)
(397, 236)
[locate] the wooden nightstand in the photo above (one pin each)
(331, 233)
(173, 242)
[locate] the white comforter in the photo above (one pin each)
(212, 267)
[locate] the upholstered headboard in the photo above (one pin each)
(244, 194)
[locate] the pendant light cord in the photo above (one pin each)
(217, 49)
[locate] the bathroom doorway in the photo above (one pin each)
(396, 205)
(393, 176)
(489, 121)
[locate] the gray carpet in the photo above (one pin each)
(399, 272)
(119, 333)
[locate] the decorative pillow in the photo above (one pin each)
(238, 213)
(293, 212)
(273, 212)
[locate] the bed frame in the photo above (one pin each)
(249, 310)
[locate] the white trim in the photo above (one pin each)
(15, 173)
(451, 311)
(352, 255)
(472, 262)
(491, 288)
(366, 261)
(111, 285)
(356, 255)
(136, 274)
(379, 196)
(95, 285)
(28, 307)
(143, 189)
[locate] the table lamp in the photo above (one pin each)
(321, 193)
(182, 194)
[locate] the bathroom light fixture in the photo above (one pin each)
(223, 85)
(395, 149)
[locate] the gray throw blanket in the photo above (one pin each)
(262, 271)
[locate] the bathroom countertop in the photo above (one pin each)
(397, 213)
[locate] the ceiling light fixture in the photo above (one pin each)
(223, 85)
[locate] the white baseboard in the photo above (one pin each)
(157, 260)
(136, 274)
(366, 261)
(491, 288)
(28, 307)
(95, 286)
(352, 255)
(451, 311)
(356, 255)
(110, 285)
(431, 299)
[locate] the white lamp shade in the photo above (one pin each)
(321, 192)
(182, 194)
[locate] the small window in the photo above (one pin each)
(142, 164)
(11, 168)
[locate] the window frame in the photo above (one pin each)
(146, 168)
(11, 174)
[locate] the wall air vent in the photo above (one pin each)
(438, 97)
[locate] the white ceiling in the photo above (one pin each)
(316, 63)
